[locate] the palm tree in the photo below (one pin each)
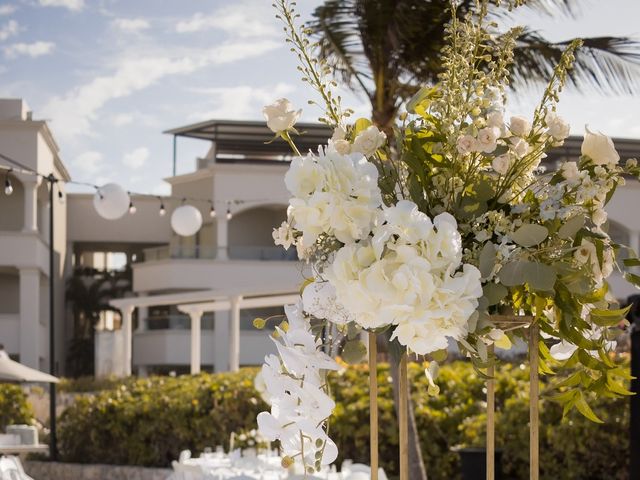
(88, 292)
(386, 49)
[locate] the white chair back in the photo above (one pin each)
(184, 455)
(358, 476)
(11, 469)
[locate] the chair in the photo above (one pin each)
(358, 476)
(183, 471)
(184, 455)
(11, 469)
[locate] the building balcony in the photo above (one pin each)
(159, 348)
(196, 268)
(207, 252)
(24, 250)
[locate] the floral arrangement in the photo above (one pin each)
(423, 234)
(249, 440)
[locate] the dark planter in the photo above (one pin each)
(473, 463)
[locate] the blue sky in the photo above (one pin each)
(111, 75)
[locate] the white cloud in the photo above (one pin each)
(136, 158)
(122, 119)
(240, 102)
(89, 162)
(74, 5)
(73, 112)
(7, 9)
(9, 29)
(131, 25)
(36, 49)
(243, 19)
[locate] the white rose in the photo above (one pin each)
(339, 134)
(520, 126)
(466, 144)
(632, 163)
(488, 139)
(599, 148)
(369, 140)
(343, 147)
(501, 164)
(495, 119)
(598, 217)
(570, 171)
(280, 115)
(557, 127)
(519, 147)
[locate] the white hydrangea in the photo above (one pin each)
(334, 194)
(407, 276)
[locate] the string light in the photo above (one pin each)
(60, 196)
(162, 209)
(8, 188)
(212, 212)
(229, 214)
(132, 208)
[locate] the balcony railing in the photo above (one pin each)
(270, 253)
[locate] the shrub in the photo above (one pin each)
(147, 422)
(14, 408)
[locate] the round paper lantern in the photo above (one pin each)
(111, 201)
(186, 220)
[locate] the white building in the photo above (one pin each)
(24, 236)
(216, 281)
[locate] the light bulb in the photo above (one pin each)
(132, 208)
(229, 214)
(60, 197)
(162, 210)
(8, 188)
(212, 212)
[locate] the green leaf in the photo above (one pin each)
(421, 95)
(361, 125)
(584, 408)
(512, 274)
(633, 278)
(539, 276)
(487, 259)
(354, 351)
(571, 227)
(530, 234)
(631, 262)
(494, 293)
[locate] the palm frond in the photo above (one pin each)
(336, 28)
(606, 64)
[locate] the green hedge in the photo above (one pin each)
(14, 408)
(147, 422)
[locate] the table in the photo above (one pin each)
(23, 449)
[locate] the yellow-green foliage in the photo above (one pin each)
(147, 422)
(14, 408)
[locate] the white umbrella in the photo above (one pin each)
(16, 372)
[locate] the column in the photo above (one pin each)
(196, 340)
(127, 327)
(221, 341)
(222, 236)
(30, 223)
(234, 334)
(143, 313)
(30, 317)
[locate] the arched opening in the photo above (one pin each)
(250, 234)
